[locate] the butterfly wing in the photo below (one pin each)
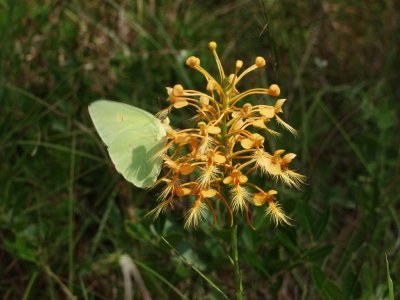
(133, 137)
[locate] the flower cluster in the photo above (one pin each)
(213, 160)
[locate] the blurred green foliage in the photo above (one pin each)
(66, 216)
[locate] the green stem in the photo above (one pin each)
(234, 243)
(235, 263)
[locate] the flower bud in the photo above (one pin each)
(274, 90)
(212, 45)
(260, 62)
(193, 61)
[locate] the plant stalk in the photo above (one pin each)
(235, 263)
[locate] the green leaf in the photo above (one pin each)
(288, 239)
(389, 280)
(331, 290)
(320, 225)
(21, 249)
(318, 277)
(328, 288)
(317, 253)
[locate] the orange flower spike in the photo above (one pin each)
(209, 152)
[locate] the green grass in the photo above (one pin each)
(66, 216)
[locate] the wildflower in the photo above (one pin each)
(240, 194)
(221, 150)
(274, 210)
(199, 209)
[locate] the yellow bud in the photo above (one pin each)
(193, 61)
(260, 62)
(212, 45)
(239, 64)
(274, 90)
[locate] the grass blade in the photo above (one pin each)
(389, 279)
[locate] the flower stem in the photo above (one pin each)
(235, 262)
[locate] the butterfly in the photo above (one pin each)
(133, 138)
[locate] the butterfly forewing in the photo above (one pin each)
(133, 137)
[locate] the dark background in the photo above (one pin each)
(66, 215)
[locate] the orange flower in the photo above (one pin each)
(240, 194)
(255, 140)
(221, 150)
